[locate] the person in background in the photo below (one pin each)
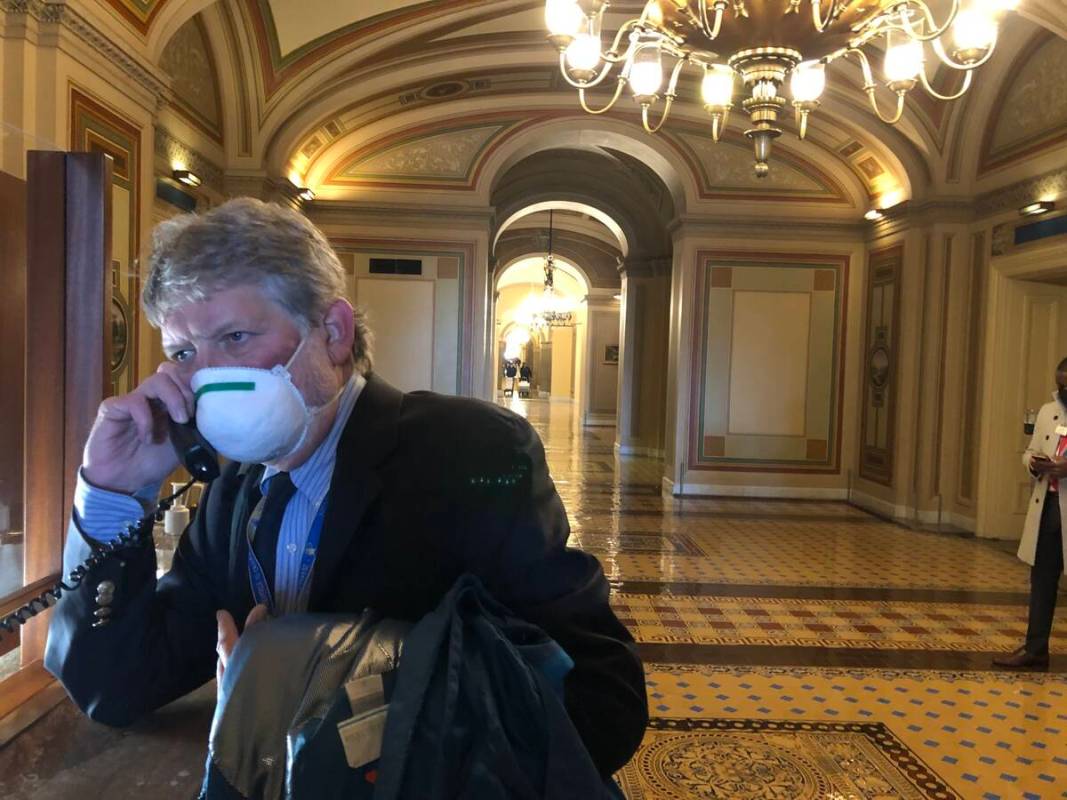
(510, 371)
(1042, 545)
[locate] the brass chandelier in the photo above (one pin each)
(551, 311)
(763, 42)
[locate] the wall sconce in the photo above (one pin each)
(1040, 207)
(186, 177)
(874, 215)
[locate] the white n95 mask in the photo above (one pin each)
(252, 415)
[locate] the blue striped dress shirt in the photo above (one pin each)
(103, 514)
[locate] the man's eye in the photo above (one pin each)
(180, 356)
(237, 336)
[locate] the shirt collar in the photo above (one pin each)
(312, 478)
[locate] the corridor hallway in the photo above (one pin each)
(798, 649)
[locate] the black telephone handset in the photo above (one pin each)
(197, 456)
(195, 453)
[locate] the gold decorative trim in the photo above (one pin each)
(69, 18)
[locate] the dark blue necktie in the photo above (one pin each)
(265, 544)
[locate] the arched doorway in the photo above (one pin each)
(553, 353)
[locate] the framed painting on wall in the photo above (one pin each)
(611, 354)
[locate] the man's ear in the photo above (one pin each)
(339, 324)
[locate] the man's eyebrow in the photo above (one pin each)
(219, 330)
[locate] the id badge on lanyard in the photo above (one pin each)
(261, 592)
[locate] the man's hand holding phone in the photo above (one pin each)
(1053, 466)
(1040, 463)
(129, 446)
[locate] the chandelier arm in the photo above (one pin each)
(948, 61)
(610, 55)
(869, 86)
(711, 29)
(672, 84)
(930, 89)
(874, 105)
(928, 16)
(611, 103)
(816, 15)
(662, 119)
(865, 65)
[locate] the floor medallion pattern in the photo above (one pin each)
(751, 759)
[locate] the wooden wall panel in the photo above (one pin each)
(12, 344)
(69, 246)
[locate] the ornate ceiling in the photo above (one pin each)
(385, 98)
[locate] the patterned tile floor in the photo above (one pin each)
(802, 649)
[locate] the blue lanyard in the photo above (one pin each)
(260, 588)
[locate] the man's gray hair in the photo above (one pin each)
(249, 242)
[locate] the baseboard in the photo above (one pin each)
(682, 489)
(29, 695)
(633, 450)
(908, 514)
(593, 420)
(881, 507)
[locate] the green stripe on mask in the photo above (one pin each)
(233, 386)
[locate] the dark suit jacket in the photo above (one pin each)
(426, 487)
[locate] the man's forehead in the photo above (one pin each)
(182, 326)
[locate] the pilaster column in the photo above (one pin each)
(643, 328)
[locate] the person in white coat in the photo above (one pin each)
(1042, 545)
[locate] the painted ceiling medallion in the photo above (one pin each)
(762, 43)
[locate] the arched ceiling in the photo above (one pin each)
(386, 98)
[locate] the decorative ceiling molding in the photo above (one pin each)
(447, 157)
(382, 105)
(278, 68)
(139, 13)
(725, 172)
(189, 62)
(71, 19)
(1010, 198)
(1031, 106)
(425, 145)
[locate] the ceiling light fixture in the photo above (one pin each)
(305, 194)
(553, 311)
(186, 177)
(874, 214)
(1040, 207)
(762, 43)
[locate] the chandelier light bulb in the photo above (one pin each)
(646, 74)
(808, 82)
(974, 29)
(563, 17)
(903, 61)
(718, 85)
(584, 52)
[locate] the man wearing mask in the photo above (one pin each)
(1042, 545)
(342, 493)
